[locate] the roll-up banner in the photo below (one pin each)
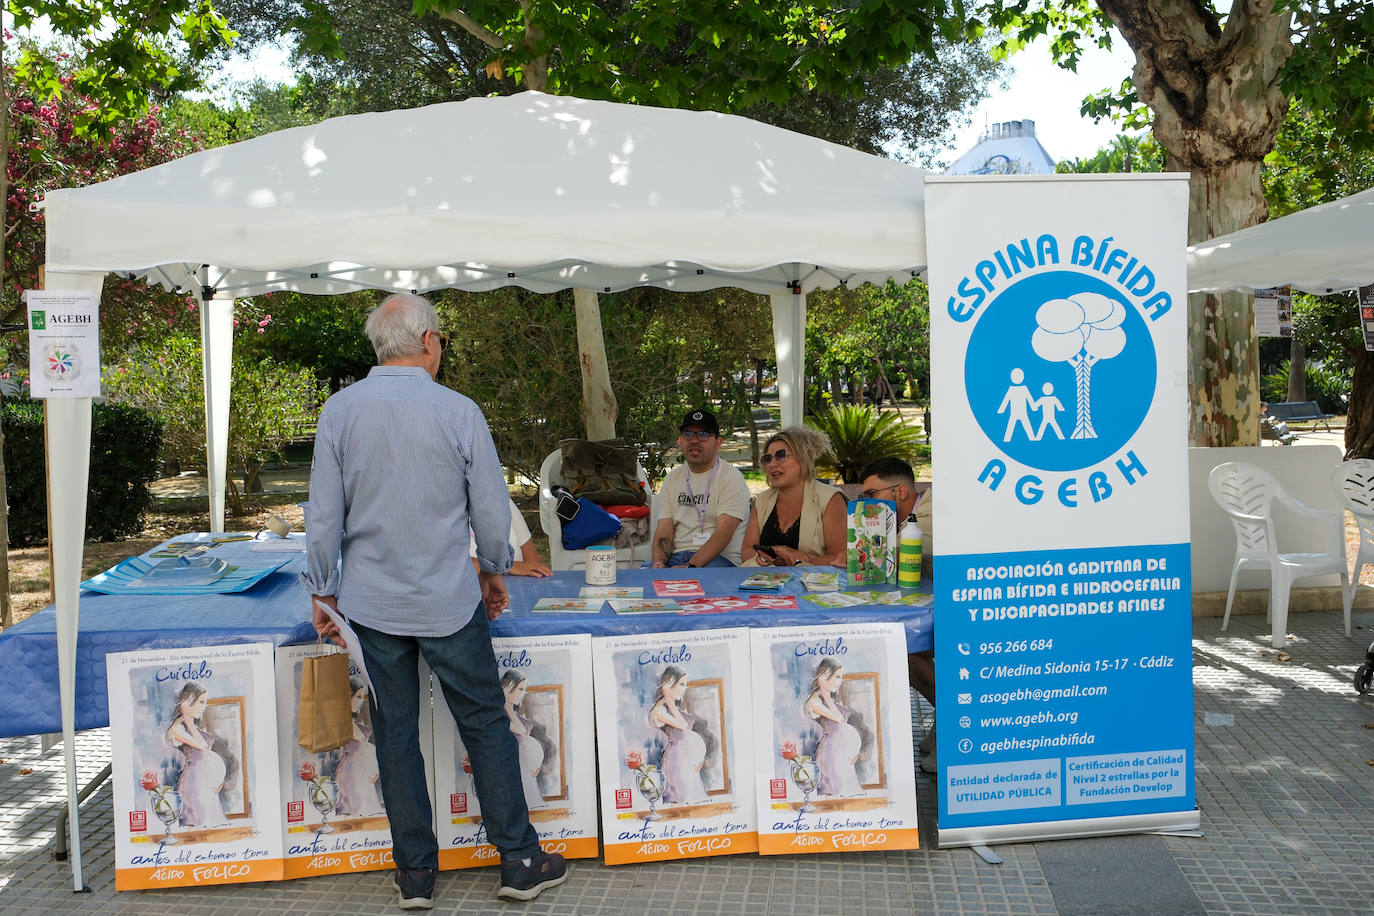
(1063, 607)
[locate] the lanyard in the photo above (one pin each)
(706, 496)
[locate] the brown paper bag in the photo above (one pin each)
(326, 718)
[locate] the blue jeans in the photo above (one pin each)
(682, 556)
(466, 667)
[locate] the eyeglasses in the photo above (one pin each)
(769, 457)
(443, 340)
(873, 494)
(699, 435)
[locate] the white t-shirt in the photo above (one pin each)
(519, 533)
(694, 514)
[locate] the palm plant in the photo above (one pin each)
(859, 435)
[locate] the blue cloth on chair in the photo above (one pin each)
(591, 525)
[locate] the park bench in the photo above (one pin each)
(1299, 412)
(764, 419)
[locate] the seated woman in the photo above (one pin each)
(798, 520)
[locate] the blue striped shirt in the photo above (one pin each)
(402, 466)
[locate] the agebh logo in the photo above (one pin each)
(1060, 368)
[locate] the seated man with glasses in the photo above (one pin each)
(797, 521)
(892, 478)
(705, 501)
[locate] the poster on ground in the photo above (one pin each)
(547, 683)
(333, 809)
(832, 739)
(1063, 612)
(193, 751)
(674, 751)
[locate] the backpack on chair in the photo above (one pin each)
(604, 471)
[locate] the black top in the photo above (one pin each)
(773, 536)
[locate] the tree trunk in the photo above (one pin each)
(1297, 370)
(6, 612)
(599, 407)
(1217, 107)
(1359, 422)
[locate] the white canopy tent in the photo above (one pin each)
(1323, 249)
(538, 191)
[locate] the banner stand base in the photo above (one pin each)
(1172, 822)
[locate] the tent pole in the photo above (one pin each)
(68, 446)
(216, 355)
(789, 339)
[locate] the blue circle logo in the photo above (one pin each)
(1060, 371)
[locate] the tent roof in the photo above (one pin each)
(1322, 249)
(539, 191)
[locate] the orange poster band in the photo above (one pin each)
(337, 863)
(776, 844)
(577, 848)
(134, 879)
(681, 848)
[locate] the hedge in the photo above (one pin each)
(124, 449)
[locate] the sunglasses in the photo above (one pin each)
(443, 340)
(873, 494)
(768, 458)
(700, 435)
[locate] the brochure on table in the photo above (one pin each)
(333, 809)
(832, 737)
(673, 716)
(193, 751)
(548, 685)
(1063, 602)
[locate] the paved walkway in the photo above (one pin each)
(1285, 761)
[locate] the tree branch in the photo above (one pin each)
(474, 28)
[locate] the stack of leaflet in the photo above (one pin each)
(178, 576)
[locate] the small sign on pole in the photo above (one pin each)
(1367, 315)
(1274, 312)
(64, 343)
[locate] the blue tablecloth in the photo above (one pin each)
(277, 610)
(716, 581)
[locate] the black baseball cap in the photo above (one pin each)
(702, 418)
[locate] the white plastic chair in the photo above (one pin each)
(1246, 494)
(550, 473)
(1353, 482)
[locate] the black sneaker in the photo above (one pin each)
(524, 882)
(415, 888)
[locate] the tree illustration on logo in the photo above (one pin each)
(1081, 330)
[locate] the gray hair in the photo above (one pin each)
(808, 446)
(397, 324)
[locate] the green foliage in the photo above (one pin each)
(130, 50)
(124, 449)
(269, 404)
(1124, 154)
(870, 333)
(1312, 162)
(859, 435)
(1331, 390)
(322, 333)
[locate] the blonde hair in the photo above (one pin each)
(805, 443)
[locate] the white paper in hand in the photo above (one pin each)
(355, 648)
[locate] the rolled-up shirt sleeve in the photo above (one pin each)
(488, 500)
(324, 533)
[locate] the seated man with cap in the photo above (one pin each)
(706, 501)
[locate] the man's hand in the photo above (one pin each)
(494, 593)
(523, 568)
(323, 625)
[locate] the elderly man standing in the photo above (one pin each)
(706, 500)
(402, 467)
